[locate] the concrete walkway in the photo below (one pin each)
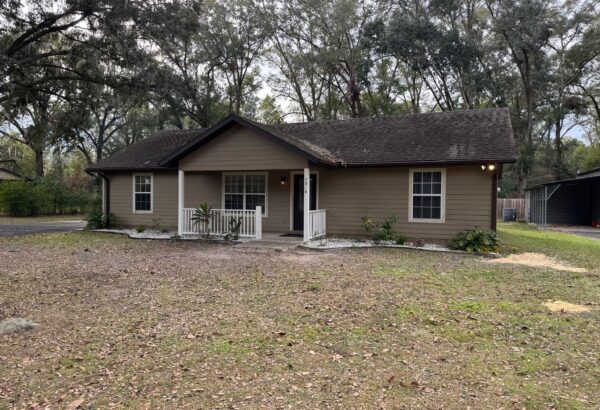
(274, 241)
(32, 227)
(586, 231)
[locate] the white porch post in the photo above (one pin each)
(258, 222)
(306, 204)
(180, 192)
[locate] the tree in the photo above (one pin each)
(105, 115)
(525, 27)
(181, 77)
(332, 34)
(32, 125)
(235, 34)
(269, 112)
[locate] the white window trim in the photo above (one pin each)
(151, 175)
(292, 173)
(266, 174)
(442, 201)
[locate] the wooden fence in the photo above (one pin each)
(520, 204)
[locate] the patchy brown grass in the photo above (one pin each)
(129, 323)
(566, 307)
(538, 260)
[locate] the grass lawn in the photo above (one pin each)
(156, 324)
(584, 252)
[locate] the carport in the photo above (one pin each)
(568, 202)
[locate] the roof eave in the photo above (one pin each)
(430, 162)
(120, 169)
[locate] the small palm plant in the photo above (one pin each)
(234, 228)
(202, 215)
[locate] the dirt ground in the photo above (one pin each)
(158, 324)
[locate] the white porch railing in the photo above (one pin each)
(317, 223)
(251, 222)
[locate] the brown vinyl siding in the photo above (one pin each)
(199, 188)
(350, 194)
(164, 200)
(240, 149)
(202, 187)
(347, 195)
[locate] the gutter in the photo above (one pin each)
(418, 163)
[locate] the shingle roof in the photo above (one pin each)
(148, 153)
(443, 137)
(456, 136)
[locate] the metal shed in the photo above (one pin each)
(568, 202)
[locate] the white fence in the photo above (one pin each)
(219, 223)
(317, 223)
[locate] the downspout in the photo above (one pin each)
(495, 176)
(105, 190)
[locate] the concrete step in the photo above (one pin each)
(270, 244)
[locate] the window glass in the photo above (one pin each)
(427, 195)
(142, 193)
(245, 191)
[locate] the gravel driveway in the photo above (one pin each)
(32, 227)
(588, 232)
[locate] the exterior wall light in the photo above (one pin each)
(282, 181)
(483, 167)
(491, 167)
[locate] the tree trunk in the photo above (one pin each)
(39, 162)
(559, 168)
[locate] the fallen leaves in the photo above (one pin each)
(161, 325)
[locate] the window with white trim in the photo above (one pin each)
(142, 193)
(245, 191)
(427, 191)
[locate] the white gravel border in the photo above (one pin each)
(341, 243)
(344, 243)
(153, 234)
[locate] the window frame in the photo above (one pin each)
(145, 174)
(244, 193)
(442, 195)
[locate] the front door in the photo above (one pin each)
(299, 199)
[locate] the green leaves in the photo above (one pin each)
(475, 240)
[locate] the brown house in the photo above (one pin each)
(436, 172)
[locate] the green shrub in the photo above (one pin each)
(32, 198)
(475, 240)
(400, 240)
(383, 231)
(97, 220)
(140, 228)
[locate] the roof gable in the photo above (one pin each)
(311, 152)
(239, 148)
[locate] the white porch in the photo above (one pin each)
(314, 222)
